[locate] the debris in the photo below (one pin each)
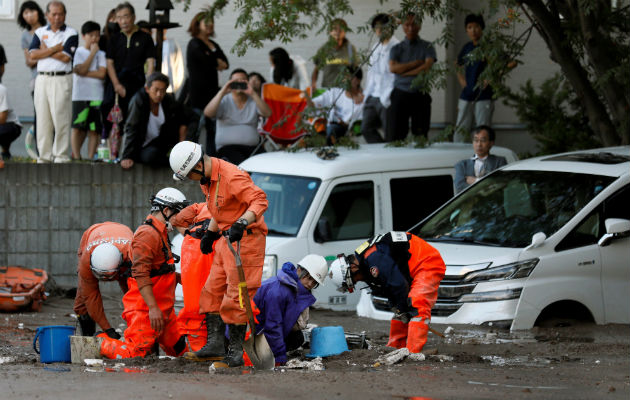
(392, 357)
(448, 331)
(315, 365)
(440, 357)
(416, 357)
(20, 325)
(4, 360)
(93, 362)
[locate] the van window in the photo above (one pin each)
(508, 207)
(349, 211)
(591, 229)
(410, 202)
(289, 198)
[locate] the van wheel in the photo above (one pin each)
(564, 313)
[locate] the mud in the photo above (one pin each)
(583, 361)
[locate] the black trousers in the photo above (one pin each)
(406, 105)
(8, 133)
(236, 154)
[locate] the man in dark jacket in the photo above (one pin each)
(284, 300)
(154, 124)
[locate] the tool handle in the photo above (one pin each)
(243, 284)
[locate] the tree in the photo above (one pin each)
(588, 39)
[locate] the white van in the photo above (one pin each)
(542, 238)
(329, 206)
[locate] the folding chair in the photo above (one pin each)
(287, 105)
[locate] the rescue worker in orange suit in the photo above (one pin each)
(237, 206)
(104, 255)
(407, 271)
(148, 305)
(193, 222)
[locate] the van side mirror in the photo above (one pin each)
(322, 231)
(616, 228)
(537, 239)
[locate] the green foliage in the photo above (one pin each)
(553, 116)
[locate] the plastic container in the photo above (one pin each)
(54, 343)
(102, 151)
(327, 341)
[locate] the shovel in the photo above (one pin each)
(255, 346)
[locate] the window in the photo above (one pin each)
(289, 198)
(415, 198)
(349, 211)
(617, 205)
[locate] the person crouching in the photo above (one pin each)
(284, 302)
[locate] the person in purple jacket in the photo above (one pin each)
(284, 301)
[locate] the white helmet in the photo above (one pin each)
(169, 197)
(316, 266)
(105, 260)
(184, 156)
(340, 274)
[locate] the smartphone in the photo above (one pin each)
(238, 85)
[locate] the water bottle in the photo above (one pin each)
(103, 151)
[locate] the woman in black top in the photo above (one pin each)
(204, 59)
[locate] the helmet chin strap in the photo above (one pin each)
(204, 180)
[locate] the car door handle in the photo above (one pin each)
(585, 263)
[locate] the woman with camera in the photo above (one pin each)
(237, 118)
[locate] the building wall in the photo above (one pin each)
(45, 208)
(535, 64)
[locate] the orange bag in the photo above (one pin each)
(22, 288)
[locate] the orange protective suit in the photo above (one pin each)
(151, 251)
(88, 299)
(195, 267)
(425, 272)
(229, 195)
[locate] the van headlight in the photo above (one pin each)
(516, 270)
(269, 266)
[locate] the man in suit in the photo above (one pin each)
(470, 170)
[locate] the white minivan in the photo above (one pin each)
(542, 238)
(329, 206)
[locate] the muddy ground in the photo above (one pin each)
(576, 362)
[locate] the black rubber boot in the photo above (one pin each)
(234, 357)
(214, 348)
(87, 324)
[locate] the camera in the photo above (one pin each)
(238, 85)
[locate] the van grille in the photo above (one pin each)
(450, 290)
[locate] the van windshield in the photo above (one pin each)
(289, 198)
(508, 207)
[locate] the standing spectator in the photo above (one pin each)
(10, 127)
(288, 71)
(237, 118)
(110, 29)
(345, 105)
(30, 17)
(154, 125)
(204, 59)
(256, 80)
(89, 70)
(482, 163)
(407, 59)
(475, 102)
(379, 82)
(127, 53)
(53, 47)
(333, 56)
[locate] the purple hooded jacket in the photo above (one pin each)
(281, 299)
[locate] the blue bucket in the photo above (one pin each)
(327, 341)
(54, 343)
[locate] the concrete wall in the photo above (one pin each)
(44, 209)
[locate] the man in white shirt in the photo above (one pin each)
(88, 84)
(380, 80)
(482, 163)
(10, 128)
(53, 47)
